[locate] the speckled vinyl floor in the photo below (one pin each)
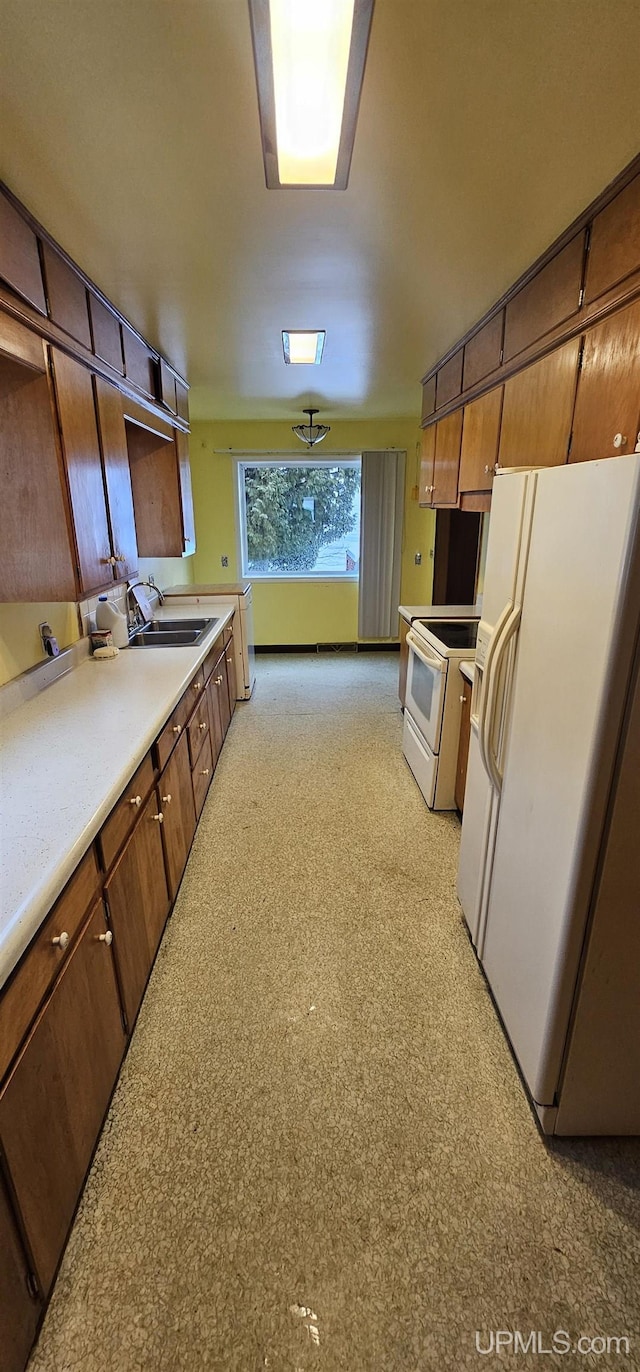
(319, 1155)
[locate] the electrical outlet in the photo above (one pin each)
(224, 560)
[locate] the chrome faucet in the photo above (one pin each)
(152, 587)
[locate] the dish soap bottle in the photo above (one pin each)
(108, 616)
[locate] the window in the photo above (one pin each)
(299, 519)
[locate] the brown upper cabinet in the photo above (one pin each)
(614, 250)
(480, 438)
(37, 555)
(67, 296)
(186, 494)
(83, 466)
(606, 422)
(107, 339)
(163, 514)
(139, 361)
(167, 387)
(538, 409)
(449, 380)
(19, 256)
(551, 296)
(447, 459)
(483, 352)
(427, 459)
(428, 397)
(182, 400)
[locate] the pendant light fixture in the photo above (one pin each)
(311, 433)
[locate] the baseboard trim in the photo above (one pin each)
(327, 647)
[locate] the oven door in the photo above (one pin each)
(426, 682)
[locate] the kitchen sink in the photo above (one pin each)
(172, 633)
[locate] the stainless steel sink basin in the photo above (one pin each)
(172, 633)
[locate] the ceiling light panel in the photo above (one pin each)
(309, 57)
(303, 348)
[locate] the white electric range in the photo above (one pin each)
(433, 704)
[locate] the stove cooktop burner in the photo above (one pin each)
(453, 633)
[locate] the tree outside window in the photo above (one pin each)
(300, 518)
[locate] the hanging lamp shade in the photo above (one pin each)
(311, 433)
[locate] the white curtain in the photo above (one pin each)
(380, 543)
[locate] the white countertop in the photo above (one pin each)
(468, 670)
(65, 758)
(411, 612)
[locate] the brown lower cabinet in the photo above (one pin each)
(19, 1305)
(56, 1097)
(463, 746)
(68, 1009)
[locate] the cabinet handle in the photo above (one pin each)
(135, 800)
(166, 800)
(461, 699)
(197, 685)
(620, 441)
(120, 557)
(177, 729)
(205, 771)
(110, 561)
(218, 681)
(491, 471)
(229, 661)
(202, 726)
(159, 817)
(106, 938)
(61, 941)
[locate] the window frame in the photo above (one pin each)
(286, 460)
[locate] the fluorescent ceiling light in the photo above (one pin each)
(303, 348)
(309, 57)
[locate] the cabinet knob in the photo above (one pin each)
(61, 941)
(159, 818)
(120, 557)
(177, 729)
(218, 681)
(166, 800)
(229, 661)
(106, 938)
(620, 440)
(490, 471)
(197, 685)
(202, 726)
(205, 771)
(110, 561)
(135, 800)
(462, 700)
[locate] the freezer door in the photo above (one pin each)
(475, 840)
(570, 679)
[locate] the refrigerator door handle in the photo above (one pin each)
(493, 702)
(483, 713)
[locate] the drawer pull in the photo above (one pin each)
(135, 800)
(61, 941)
(203, 725)
(218, 681)
(177, 729)
(228, 660)
(462, 699)
(197, 685)
(205, 771)
(106, 938)
(159, 818)
(166, 800)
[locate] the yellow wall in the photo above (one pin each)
(299, 611)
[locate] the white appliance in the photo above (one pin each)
(432, 709)
(549, 876)
(240, 595)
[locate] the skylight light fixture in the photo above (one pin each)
(309, 57)
(302, 347)
(311, 433)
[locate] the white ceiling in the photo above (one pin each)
(130, 129)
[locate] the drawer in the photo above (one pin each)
(227, 632)
(194, 691)
(198, 729)
(173, 728)
(24, 993)
(125, 812)
(201, 775)
(212, 656)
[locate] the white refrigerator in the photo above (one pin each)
(549, 875)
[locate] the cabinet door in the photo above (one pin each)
(427, 459)
(37, 555)
(117, 478)
(483, 352)
(463, 745)
(155, 481)
(608, 398)
(105, 327)
(449, 380)
(231, 674)
(537, 411)
(139, 361)
(428, 398)
(550, 297)
(182, 400)
(138, 901)
(76, 410)
(176, 798)
(215, 735)
(220, 684)
(19, 1310)
(186, 495)
(53, 1104)
(480, 438)
(614, 251)
(67, 296)
(19, 258)
(447, 460)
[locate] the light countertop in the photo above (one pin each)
(65, 758)
(411, 612)
(468, 670)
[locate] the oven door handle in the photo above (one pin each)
(438, 664)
